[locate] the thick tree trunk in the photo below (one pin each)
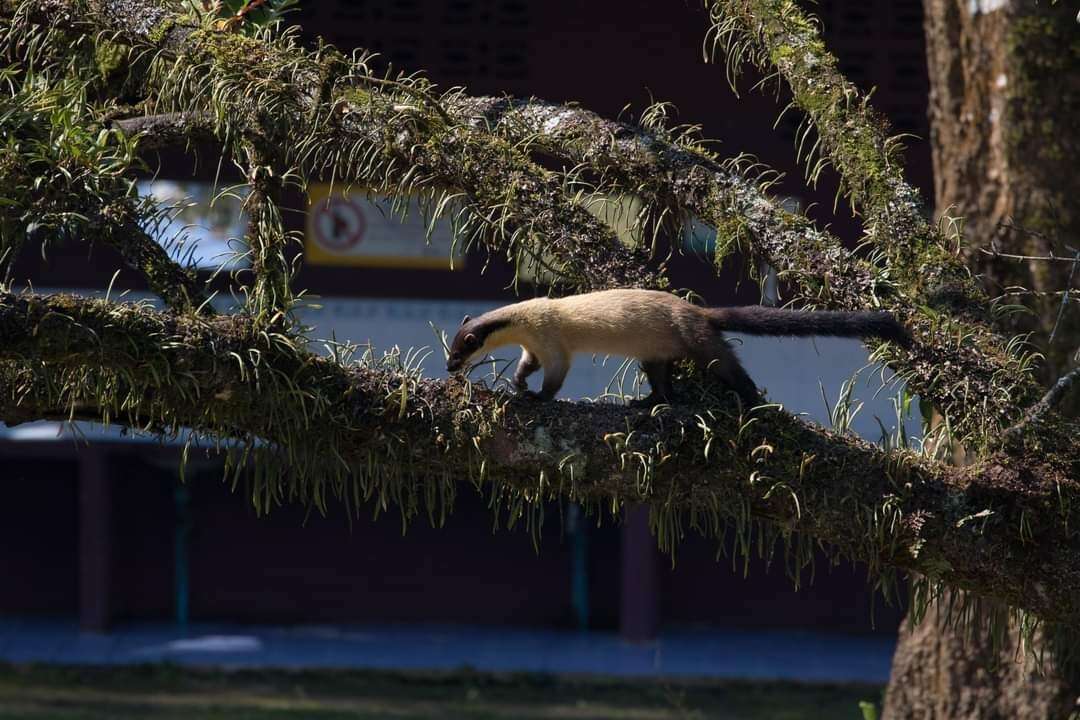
(1004, 98)
(939, 672)
(1005, 93)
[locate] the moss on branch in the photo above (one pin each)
(330, 117)
(62, 174)
(378, 432)
(270, 297)
(407, 142)
(855, 140)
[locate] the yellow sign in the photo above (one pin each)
(361, 229)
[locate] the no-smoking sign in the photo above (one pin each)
(339, 223)
(367, 229)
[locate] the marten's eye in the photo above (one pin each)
(471, 342)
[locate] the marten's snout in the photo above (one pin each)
(463, 347)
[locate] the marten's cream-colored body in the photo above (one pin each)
(644, 325)
(654, 327)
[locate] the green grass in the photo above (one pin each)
(164, 692)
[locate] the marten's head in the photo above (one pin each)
(470, 340)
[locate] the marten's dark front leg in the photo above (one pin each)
(556, 365)
(527, 365)
(554, 375)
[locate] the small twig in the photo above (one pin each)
(1065, 297)
(1048, 401)
(1024, 292)
(1011, 290)
(993, 252)
(1031, 232)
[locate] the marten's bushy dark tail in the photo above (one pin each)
(761, 320)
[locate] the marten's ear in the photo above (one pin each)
(465, 319)
(471, 342)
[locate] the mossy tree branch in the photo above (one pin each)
(979, 390)
(854, 138)
(63, 175)
(971, 387)
(167, 130)
(374, 431)
(329, 117)
(270, 296)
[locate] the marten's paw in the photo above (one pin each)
(651, 401)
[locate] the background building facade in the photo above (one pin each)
(108, 532)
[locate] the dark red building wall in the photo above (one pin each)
(603, 54)
(143, 527)
(286, 567)
(709, 590)
(38, 536)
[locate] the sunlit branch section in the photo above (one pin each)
(330, 117)
(168, 130)
(777, 35)
(679, 176)
(63, 176)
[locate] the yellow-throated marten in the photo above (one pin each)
(654, 327)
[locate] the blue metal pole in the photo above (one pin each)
(579, 565)
(181, 567)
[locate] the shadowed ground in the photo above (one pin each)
(167, 692)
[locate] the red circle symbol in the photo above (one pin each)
(339, 223)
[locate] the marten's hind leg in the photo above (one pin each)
(720, 359)
(659, 374)
(555, 368)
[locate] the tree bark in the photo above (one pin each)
(1005, 90)
(941, 672)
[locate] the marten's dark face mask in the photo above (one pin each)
(470, 340)
(464, 346)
